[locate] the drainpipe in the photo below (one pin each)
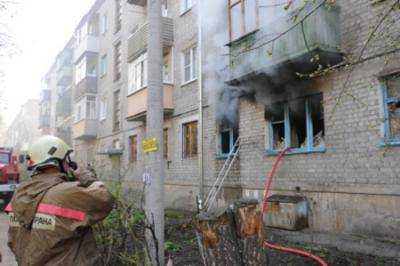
(200, 83)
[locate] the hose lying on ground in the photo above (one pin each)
(266, 244)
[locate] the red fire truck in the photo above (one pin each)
(9, 175)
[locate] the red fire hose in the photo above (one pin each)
(266, 244)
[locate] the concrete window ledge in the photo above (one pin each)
(270, 152)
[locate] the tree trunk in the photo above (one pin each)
(250, 231)
(217, 239)
(154, 161)
(234, 236)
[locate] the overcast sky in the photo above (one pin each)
(41, 28)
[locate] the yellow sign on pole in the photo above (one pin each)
(149, 145)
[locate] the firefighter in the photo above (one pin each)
(51, 215)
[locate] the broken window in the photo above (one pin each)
(298, 124)
(243, 17)
(190, 139)
(228, 138)
(392, 108)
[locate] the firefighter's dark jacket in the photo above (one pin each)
(51, 219)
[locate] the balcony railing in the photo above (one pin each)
(313, 40)
(88, 85)
(84, 129)
(64, 75)
(89, 44)
(137, 43)
(137, 103)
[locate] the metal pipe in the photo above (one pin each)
(200, 84)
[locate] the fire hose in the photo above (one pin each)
(266, 244)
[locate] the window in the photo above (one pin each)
(186, 5)
(228, 138)
(102, 109)
(164, 8)
(166, 143)
(391, 98)
(190, 139)
(167, 69)
(118, 15)
(137, 74)
(81, 33)
(133, 148)
(80, 70)
(298, 124)
(86, 109)
(4, 158)
(103, 65)
(189, 65)
(91, 108)
(243, 17)
(117, 61)
(117, 111)
(103, 24)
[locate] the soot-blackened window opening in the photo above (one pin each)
(298, 124)
(228, 138)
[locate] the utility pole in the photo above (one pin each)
(154, 157)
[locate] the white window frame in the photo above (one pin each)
(137, 73)
(103, 24)
(192, 64)
(80, 70)
(80, 110)
(103, 65)
(102, 109)
(185, 6)
(91, 113)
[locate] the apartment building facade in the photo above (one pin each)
(261, 81)
(56, 97)
(23, 130)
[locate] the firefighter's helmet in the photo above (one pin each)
(48, 150)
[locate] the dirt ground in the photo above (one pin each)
(7, 256)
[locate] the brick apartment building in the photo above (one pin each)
(262, 81)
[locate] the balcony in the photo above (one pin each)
(64, 59)
(44, 121)
(64, 75)
(137, 103)
(301, 49)
(89, 44)
(137, 43)
(85, 129)
(88, 85)
(45, 96)
(64, 104)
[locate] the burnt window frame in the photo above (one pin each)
(232, 141)
(388, 139)
(309, 140)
